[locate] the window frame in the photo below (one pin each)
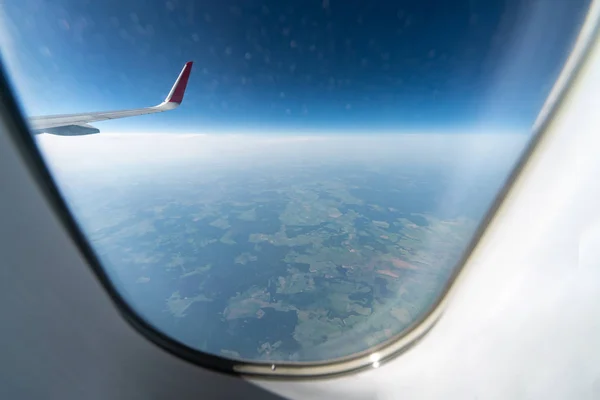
(12, 117)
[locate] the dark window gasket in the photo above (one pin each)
(18, 132)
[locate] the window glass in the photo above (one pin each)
(312, 195)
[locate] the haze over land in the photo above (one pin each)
(280, 248)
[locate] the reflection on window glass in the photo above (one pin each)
(313, 194)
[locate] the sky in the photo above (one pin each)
(270, 65)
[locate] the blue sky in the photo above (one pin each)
(293, 65)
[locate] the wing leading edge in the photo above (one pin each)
(77, 124)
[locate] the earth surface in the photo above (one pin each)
(279, 261)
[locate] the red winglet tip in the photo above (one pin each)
(178, 90)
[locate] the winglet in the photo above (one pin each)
(178, 89)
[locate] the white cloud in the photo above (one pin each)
(104, 152)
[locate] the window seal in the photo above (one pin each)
(17, 131)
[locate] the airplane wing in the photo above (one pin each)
(77, 124)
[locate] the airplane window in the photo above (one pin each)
(306, 190)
